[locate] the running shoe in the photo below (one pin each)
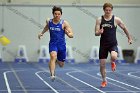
(104, 84)
(113, 66)
(52, 78)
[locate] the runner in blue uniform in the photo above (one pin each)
(57, 45)
(106, 27)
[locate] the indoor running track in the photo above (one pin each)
(73, 78)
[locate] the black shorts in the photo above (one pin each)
(103, 51)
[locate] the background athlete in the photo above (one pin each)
(106, 27)
(57, 45)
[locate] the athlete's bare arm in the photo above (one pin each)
(98, 31)
(120, 23)
(44, 30)
(68, 29)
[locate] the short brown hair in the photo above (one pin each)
(107, 5)
(56, 8)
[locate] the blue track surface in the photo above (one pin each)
(73, 78)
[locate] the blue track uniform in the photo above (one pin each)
(108, 41)
(57, 39)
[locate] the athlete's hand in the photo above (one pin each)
(40, 35)
(101, 30)
(69, 34)
(130, 41)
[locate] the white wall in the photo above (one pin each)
(70, 1)
(20, 28)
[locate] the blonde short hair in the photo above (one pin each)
(107, 5)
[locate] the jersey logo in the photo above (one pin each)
(55, 29)
(107, 25)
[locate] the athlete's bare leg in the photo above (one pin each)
(103, 68)
(53, 56)
(113, 56)
(60, 63)
(103, 72)
(113, 59)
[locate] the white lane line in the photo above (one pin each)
(5, 69)
(120, 82)
(19, 81)
(45, 70)
(123, 91)
(69, 91)
(108, 82)
(69, 74)
(6, 81)
(130, 74)
(101, 79)
(37, 74)
(79, 91)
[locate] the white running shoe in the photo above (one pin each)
(52, 78)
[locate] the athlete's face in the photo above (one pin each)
(108, 11)
(57, 15)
